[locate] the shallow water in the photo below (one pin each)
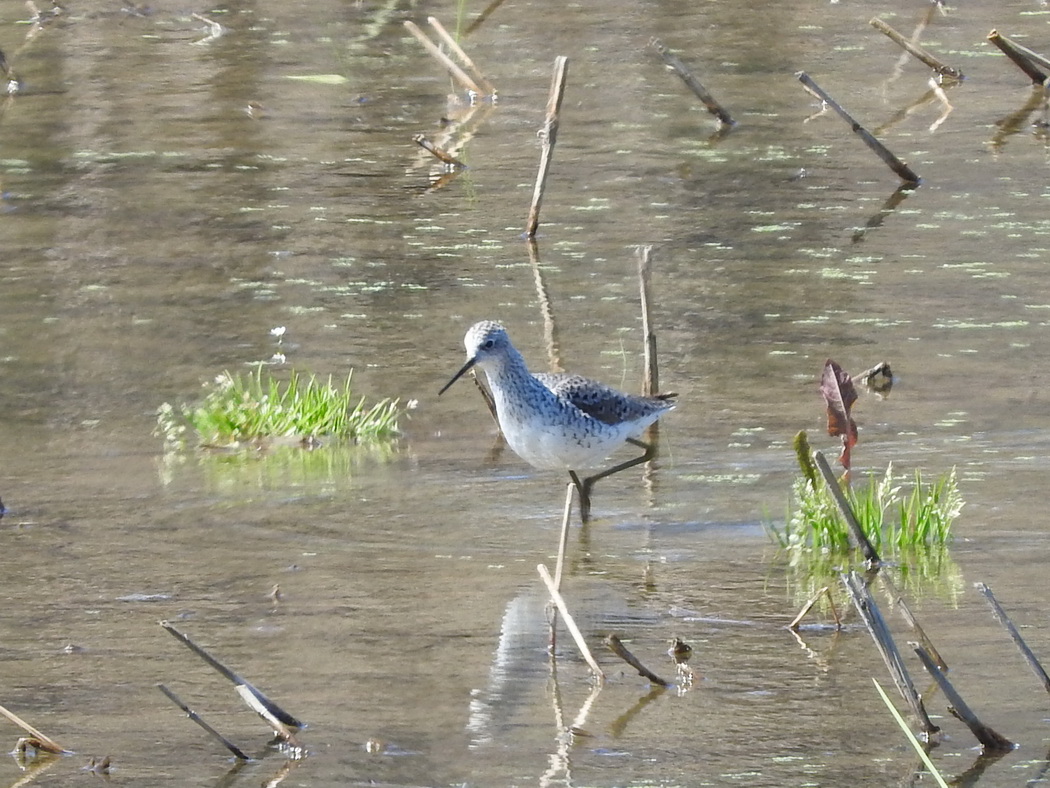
(154, 232)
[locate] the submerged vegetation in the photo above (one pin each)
(257, 408)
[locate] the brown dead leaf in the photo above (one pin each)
(837, 388)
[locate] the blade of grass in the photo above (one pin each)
(911, 736)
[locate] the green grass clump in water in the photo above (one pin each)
(894, 523)
(239, 409)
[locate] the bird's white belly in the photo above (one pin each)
(552, 447)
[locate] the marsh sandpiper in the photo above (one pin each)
(557, 421)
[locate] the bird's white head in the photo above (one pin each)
(485, 341)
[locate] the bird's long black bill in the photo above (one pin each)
(458, 375)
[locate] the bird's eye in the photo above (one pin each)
(489, 344)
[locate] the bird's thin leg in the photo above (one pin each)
(588, 483)
(585, 498)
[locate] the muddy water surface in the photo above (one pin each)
(168, 199)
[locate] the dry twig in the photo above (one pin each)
(548, 136)
(899, 167)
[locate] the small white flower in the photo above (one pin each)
(278, 331)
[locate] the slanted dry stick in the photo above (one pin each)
(916, 51)
(651, 384)
(271, 707)
(564, 540)
(254, 701)
(620, 650)
(437, 153)
(450, 42)
(548, 136)
(1025, 59)
(457, 73)
(1002, 618)
(676, 65)
(920, 633)
(876, 625)
(989, 738)
(871, 555)
(825, 592)
(483, 16)
(570, 624)
(900, 168)
(237, 752)
(45, 743)
(560, 564)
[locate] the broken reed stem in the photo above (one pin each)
(620, 650)
(43, 742)
(671, 61)
(989, 738)
(271, 707)
(826, 592)
(1025, 59)
(865, 604)
(564, 539)
(437, 153)
(871, 555)
(920, 633)
(457, 73)
(1002, 618)
(559, 566)
(916, 51)
(254, 700)
(570, 624)
(483, 16)
(900, 168)
(451, 43)
(651, 384)
(548, 136)
(237, 753)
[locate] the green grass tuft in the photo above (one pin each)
(253, 408)
(892, 520)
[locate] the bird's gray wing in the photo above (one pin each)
(599, 401)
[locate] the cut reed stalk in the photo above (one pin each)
(865, 604)
(871, 555)
(899, 167)
(237, 752)
(651, 384)
(619, 649)
(1002, 618)
(570, 624)
(272, 708)
(675, 64)
(920, 633)
(1029, 62)
(45, 743)
(548, 136)
(464, 58)
(916, 51)
(563, 540)
(437, 153)
(484, 15)
(450, 65)
(989, 738)
(823, 592)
